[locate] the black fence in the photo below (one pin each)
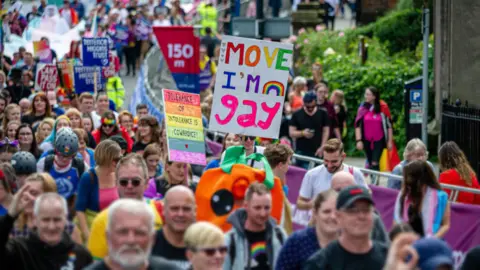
(462, 125)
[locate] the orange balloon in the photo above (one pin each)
(218, 194)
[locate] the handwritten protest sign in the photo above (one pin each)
(250, 86)
(84, 79)
(41, 49)
(46, 78)
(66, 69)
(184, 127)
(95, 52)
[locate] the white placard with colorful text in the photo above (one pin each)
(250, 87)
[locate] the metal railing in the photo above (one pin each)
(316, 161)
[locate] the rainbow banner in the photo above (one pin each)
(250, 86)
(183, 120)
(41, 49)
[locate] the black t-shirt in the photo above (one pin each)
(258, 252)
(138, 146)
(335, 257)
(472, 259)
(341, 115)
(163, 248)
(32, 119)
(154, 263)
(301, 120)
(162, 186)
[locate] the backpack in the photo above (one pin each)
(232, 249)
(77, 163)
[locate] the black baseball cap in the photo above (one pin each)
(349, 195)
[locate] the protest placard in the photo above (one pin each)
(41, 49)
(66, 69)
(46, 78)
(84, 79)
(250, 86)
(95, 52)
(184, 127)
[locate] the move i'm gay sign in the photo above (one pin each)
(250, 86)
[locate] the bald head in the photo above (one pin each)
(179, 192)
(341, 180)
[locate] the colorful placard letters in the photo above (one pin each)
(183, 119)
(250, 86)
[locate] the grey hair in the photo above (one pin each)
(412, 146)
(49, 196)
(135, 160)
(134, 207)
(299, 80)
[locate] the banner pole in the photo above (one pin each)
(95, 83)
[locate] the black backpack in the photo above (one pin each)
(77, 163)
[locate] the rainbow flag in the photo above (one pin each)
(42, 50)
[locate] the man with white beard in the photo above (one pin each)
(130, 236)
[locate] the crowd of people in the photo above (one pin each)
(86, 184)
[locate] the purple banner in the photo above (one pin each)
(463, 235)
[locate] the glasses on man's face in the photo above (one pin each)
(135, 182)
(211, 251)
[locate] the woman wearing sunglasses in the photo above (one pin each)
(47, 144)
(109, 128)
(206, 248)
(97, 188)
(148, 132)
(27, 140)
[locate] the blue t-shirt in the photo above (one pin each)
(67, 182)
(3, 211)
(297, 249)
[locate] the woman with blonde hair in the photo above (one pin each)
(97, 188)
(60, 122)
(415, 150)
(76, 120)
(39, 183)
(44, 129)
(174, 174)
(11, 130)
(11, 113)
(125, 119)
(456, 170)
(323, 230)
(206, 249)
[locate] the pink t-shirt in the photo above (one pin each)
(372, 126)
(106, 196)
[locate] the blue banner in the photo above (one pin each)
(84, 79)
(121, 35)
(95, 52)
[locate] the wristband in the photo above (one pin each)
(359, 140)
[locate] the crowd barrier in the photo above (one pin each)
(464, 232)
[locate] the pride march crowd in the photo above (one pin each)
(87, 182)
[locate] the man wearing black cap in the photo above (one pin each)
(310, 128)
(353, 249)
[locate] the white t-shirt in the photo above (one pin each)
(319, 179)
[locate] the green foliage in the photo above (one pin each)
(392, 60)
(404, 4)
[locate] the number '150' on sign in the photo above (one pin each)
(250, 119)
(180, 50)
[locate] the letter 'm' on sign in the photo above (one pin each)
(255, 80)
(232, 47)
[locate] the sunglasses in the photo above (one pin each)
(108, 125)
(251, 138)
(135, 182)
(211, 251)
